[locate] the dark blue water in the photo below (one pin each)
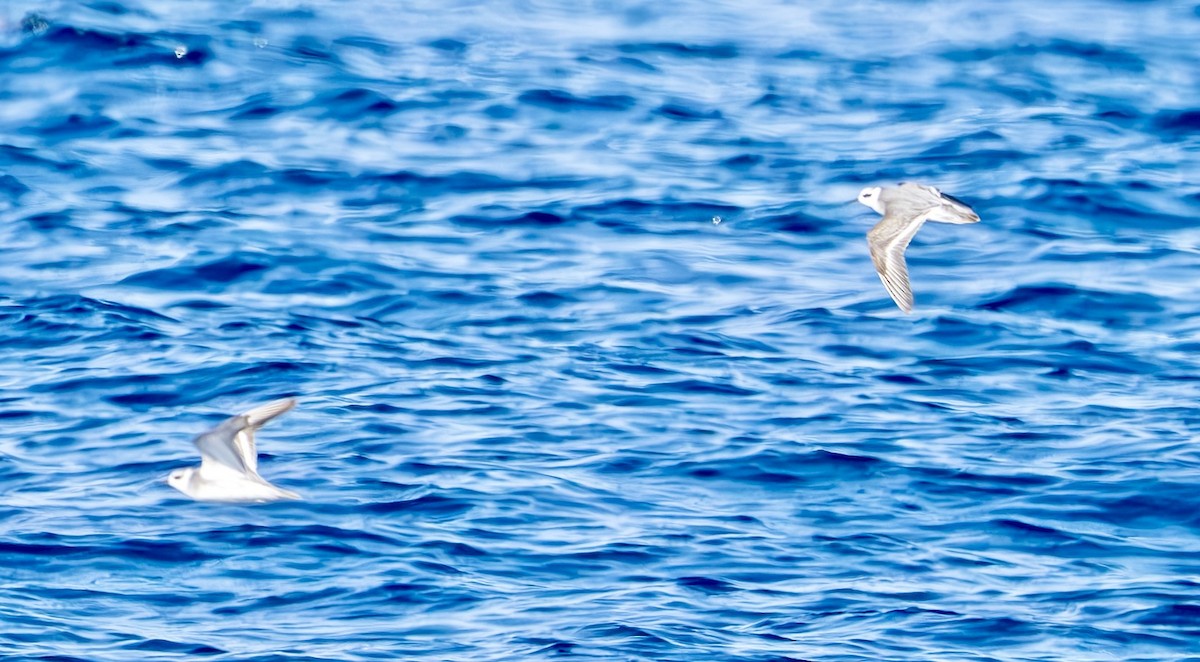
(591, 358)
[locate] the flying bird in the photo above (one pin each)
(228, 468)
(905, 209)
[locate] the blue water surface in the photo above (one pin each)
(591, 358)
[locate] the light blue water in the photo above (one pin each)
(591, 357)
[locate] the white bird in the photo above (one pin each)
(228, 469)
(905, 209)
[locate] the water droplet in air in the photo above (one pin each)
(34, 24)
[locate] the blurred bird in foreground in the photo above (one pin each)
(228, 468)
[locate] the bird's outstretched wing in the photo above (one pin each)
(254, 419)
(888, 241)
(230, 446)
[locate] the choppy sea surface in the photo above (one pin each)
(591, 359)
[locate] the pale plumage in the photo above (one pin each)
(228, 469)
(905, 209)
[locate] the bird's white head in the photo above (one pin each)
(870, 197)
(180, 478)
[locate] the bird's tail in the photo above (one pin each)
(953, 210)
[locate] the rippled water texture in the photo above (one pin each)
(591, 358)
